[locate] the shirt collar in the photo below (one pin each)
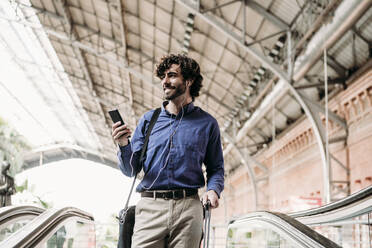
(188, 108)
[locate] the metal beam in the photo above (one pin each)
(62, 151)
(360, 36)
(331, 82)
(316, 106)
(219, 6)
(264, 38)
(267, 15)
(337, 67)
(124, 44)
(249, 157)
(259, 144)
(261, 133)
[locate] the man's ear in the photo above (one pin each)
(188, 83)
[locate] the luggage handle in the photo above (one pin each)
(207, 223)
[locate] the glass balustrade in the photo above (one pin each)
(11, 227)
(256, 235)
(70, 234)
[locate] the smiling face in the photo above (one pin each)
(173, 83)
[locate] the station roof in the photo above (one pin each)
(103, 54)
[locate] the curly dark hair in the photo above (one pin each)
(190, 70)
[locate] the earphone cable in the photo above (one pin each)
(170, 141)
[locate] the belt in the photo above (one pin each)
(171, 194)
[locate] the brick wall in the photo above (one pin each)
(296, 176)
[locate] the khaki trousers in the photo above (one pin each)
(168, 223)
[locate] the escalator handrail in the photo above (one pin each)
(11, 212)
(40, 225)
(289, 225)
(359, 196)
(337, 215)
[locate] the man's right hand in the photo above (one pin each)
(120, 133)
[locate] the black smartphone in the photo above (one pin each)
(115, 116)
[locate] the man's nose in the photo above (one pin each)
(165, 80)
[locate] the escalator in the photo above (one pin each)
(72, 228)
(273, 230)
(13, 218)
(55, 228)
(348, 222)
(345, 223)
(353, 206)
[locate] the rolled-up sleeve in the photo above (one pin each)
(214, 161)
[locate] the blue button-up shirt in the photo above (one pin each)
(177, 148)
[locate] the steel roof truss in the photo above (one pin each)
(73, 34)
(217, 7)
(260, 133)
(259, 144)
(215, 99)
(212, 20)
(265, 38)
(314, 106)
(267, 15)
(337, 67)
(357, 32)
(87, 48)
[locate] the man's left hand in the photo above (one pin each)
(212, 196)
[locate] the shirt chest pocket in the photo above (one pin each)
(191, 144)
(185, 157)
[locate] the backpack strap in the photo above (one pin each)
(153, 120)
(154, 117)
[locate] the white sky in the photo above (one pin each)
(95, 188)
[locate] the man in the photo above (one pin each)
(169, 213)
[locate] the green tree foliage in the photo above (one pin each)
(12, 147)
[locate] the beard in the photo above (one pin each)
(176, 92)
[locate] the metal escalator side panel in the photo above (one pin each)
(347, 212)
(13, 225)
(69, 232)
(266, 229)
(40, 226)
(13, 218)
(352, 199)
